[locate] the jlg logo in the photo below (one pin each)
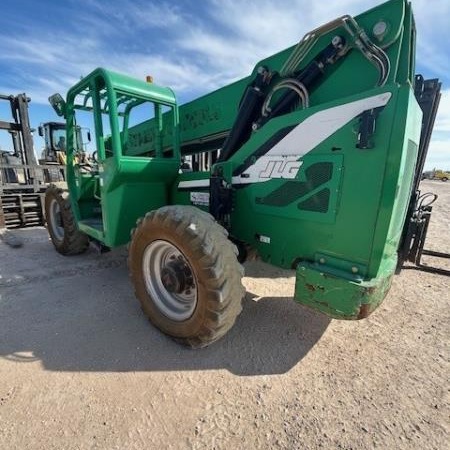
(268, 167)
(281, 168)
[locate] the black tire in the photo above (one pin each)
(61, 225)
(444, 179)
(212, 268)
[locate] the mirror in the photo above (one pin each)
(89, 136)
(40, 131)
(58, 104)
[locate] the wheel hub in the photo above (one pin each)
(176, 276)
(56, 221)
(169, 280)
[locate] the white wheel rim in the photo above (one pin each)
(162, 259)
(56, 223)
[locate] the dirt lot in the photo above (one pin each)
(81, 368)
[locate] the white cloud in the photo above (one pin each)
(253, 30)
(139, 14)
(439, 150)
(443, 116)
(438, 155)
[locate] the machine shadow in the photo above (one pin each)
(260, 269)
(92, 327)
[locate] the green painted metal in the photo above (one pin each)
(337, 222)
(362, 283)
(336, 295)
(107, 202)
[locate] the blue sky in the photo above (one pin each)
(191, 46)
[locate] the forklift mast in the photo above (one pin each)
(411, 247)
(22, 179)
(20, 129)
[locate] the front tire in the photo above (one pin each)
(186, 274)
(61, 225)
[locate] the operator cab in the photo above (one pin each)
(136, 151)
(54, 134)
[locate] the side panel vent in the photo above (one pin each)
(316, 175)
(318, 202)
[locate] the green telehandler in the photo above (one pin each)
(310, 163)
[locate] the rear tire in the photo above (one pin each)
(186, 274)
(444, 179)
(61, 225)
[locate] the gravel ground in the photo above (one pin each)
(81, 368)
